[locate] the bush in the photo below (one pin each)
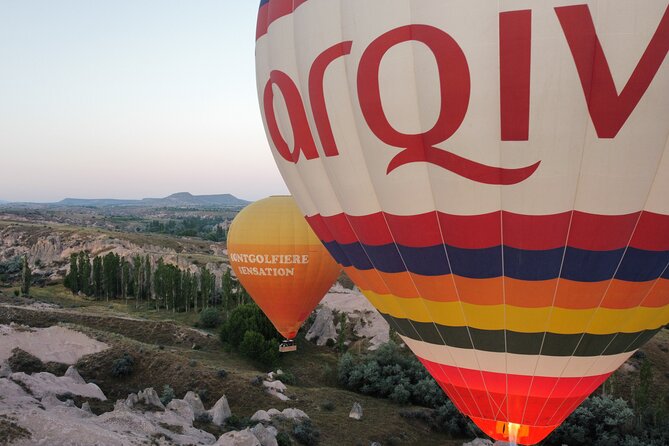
(252, 345)
(328, 406)
(391, 373)
(287, 377)
(245, 318)
(167, 395)
(603, 421)
(283, 439)
(250, 332)
(22, 361)
(210, 318)
(305, 433)
(123, 366)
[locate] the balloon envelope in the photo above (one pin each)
(493, 176)
(280, 262)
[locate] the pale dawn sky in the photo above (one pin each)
(130, 99)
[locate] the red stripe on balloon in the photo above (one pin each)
(591, 232)
(535, 401)
(273, 10)
(509, 384)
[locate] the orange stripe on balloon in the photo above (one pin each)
(568, 294)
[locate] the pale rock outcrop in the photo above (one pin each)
(86, 407)
(261, 416)
(366, 322)
(5, 370)
(52, 344)
(289, 413)
(273, 412)
(182, 408)
(149, 397)
(238, 438)
(323, 327)
(41, 384)
(277, 386)
(195, 402)
(220, 412)
(294, 414)
(74, 375)
(356, 411)
(265, 435)
(132, 400)
(277, 389)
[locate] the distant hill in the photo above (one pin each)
(181, 199)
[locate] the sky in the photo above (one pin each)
(130, 99)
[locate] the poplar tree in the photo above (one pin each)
(97, 277)
(84, 273)
(227, 290)
(138, 278)
(72, 278)
(26, 277)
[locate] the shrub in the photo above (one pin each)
(328, 406)
(602, 421)
(250, 332)
(222, 373)
(123, 366)
(253, 344)
(305, 433)
(287, 377)
(167, 395)
(210, 318)
(391, 373)
(22, 361)
(245, 318)
(283, 439)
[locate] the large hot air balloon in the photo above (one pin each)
(280, 262)
(494, 176)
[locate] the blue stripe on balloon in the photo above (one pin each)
(640, 266)
(578, 265)
(263, 2)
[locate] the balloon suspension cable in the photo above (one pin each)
(287, 345)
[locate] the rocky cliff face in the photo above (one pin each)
(48, 250)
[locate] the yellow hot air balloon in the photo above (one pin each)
(492, 175)
(280, 262)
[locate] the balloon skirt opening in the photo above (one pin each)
(522, 434)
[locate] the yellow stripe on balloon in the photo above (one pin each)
(519, 319)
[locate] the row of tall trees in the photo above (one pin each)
(159, 283)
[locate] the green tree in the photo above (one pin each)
(98, 282)
(126, 279)
(72, 278)
(207, 286)
(245, 318)
(227, 290)
(26, 277)
(84, 273)
(148, 293)
(138, 278)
